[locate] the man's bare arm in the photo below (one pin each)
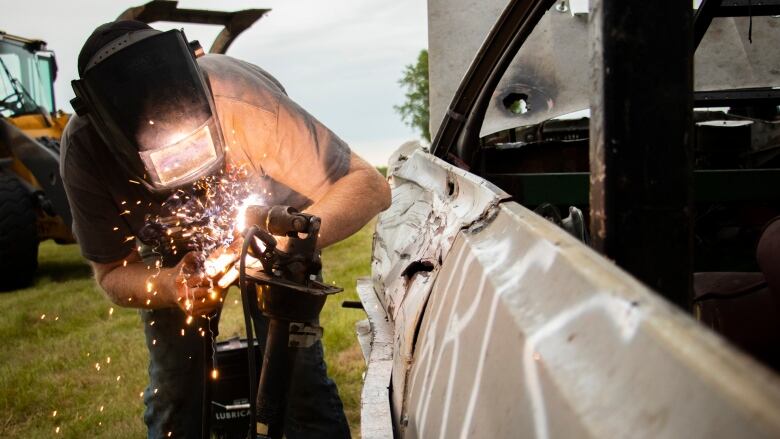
(125, 283)
(351, 202)
(130, 283)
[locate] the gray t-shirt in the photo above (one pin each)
(291, 156)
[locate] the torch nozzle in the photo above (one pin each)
(278, 220)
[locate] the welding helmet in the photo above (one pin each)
(151, 104)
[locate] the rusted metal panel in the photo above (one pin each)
(726, 59)
(456, 30)
(432, 202)
(530, 333)
(552, 66)
(548, 69)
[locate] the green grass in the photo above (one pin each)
(56, 332)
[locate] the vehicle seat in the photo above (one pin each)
(768, 254)
(745, 307)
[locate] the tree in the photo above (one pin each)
(415, 111)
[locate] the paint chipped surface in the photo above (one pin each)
(432, 202)
(519, 330)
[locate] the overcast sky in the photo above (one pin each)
(339, 59)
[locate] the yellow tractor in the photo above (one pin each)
(33, 206)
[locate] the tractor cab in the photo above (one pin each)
(27, 74)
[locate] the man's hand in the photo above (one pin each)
(190, 288)
(131, 283)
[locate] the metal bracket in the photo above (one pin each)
(732, 98)
(745, 8)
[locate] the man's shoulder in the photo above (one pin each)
(240, 81)
(77, 126)
(224, 64)
(76, 137)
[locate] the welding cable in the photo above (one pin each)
(251, 348)
(205, 425)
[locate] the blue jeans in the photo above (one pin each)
(179, 365)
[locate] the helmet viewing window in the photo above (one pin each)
(182, 159)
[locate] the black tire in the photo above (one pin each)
(18, 235)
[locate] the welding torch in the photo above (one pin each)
(276, 220)
(285, 290)
(279, 284)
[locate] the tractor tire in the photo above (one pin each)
(18, 235)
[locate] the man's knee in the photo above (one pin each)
(174, 396)
(314, 406)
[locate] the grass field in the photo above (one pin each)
(73, 365)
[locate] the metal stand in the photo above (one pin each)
(278, 361)
(287, 294)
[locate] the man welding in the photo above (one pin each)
(154, 117)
